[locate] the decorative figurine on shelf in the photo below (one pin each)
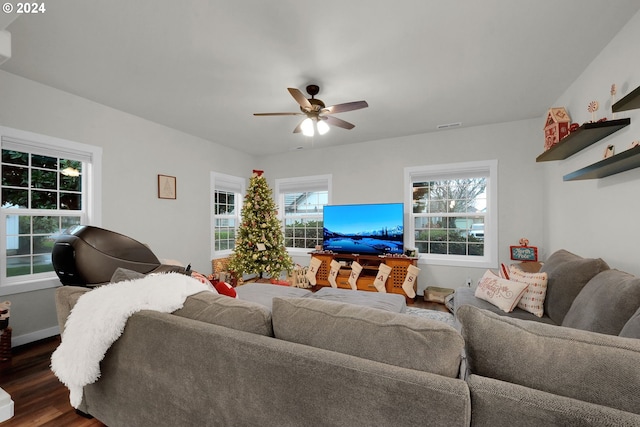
(592, 108)
(524, 252)
(556, 126)
(609, 151)
(614, 90)
(634, 144)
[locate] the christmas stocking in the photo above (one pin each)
(314, 265)
(410, 280)
(355, 272)
(333, 273)
(381, 277)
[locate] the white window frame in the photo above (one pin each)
(91, 212)
(232, 184)
(300, 184)
(487, 168)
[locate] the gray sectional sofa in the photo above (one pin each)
(289, 360)
(294, 361)
(582, 293)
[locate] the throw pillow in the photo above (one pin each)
(567, 274)
(201, 277)
(500, 292)
(533, 298)
(631, 329)
(122, 274)
(224, 288)
(606, 303)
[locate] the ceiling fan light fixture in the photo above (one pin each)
(307, 127)
(323, 127)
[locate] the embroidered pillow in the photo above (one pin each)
(533, 298)
(500, 292)
(203, 279)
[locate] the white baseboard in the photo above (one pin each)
(6, 406)
(35, 336)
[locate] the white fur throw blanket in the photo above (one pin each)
(99, 318)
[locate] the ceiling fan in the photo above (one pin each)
(318, 115)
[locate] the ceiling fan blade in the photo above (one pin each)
(334, 121)
(300, 98)
(347, 106)
(277, 114)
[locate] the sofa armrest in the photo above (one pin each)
(587, 366)
(66, 298)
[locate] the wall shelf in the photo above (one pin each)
(587, 134)
(629, 102)
(624, 161)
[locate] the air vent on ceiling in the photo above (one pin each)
(449, 125)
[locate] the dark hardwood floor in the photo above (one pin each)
(39, 398)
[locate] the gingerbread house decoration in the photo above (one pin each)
(556, 127)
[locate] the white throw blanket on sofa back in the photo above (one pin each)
(99, 318)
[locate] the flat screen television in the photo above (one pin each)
(367, 229)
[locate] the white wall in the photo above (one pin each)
(373, 172)
(135, 151)
(598, 218)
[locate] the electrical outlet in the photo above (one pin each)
(468, 282)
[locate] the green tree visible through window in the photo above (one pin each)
(444, 214)
(33, 184)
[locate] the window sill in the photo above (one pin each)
(457, 261)
(29, 286)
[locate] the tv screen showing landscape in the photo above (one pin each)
(375, 229)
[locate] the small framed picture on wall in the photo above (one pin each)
(166, 187)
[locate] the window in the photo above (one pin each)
(227, 202)
(301, 201)
(48, 185)
(452, 212)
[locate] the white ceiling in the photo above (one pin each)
(204, 67)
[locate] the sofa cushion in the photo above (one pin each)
(588, 366)
(263, 293)
(465, 296)
(385, 301)
(230, 312)
(567, 274)
(393, 338)
(605, 303)
(631, 329)
(500, 292)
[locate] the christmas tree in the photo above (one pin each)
(260, 242)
